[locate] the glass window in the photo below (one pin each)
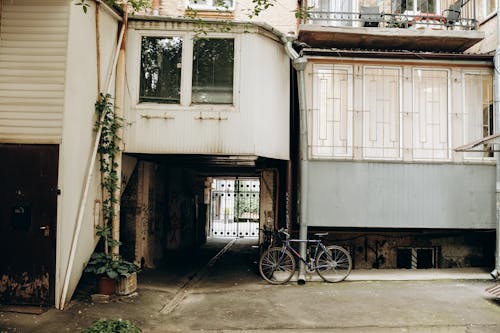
(381, 116)
(332, 116)
(478, 108)
(213, 62)
(161, 59)
(211, 4)
(430, 114)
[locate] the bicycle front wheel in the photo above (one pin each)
(277, 265)
(334, 264)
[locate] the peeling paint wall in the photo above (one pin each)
(453, 249)
(186, 210)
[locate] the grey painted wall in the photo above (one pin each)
(401, 195)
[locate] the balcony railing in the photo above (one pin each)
(428, 14)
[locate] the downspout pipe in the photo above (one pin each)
(299, 63)
(496, 95)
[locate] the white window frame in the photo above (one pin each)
(400, 113)
(471, 156)
(210, 6)
(321, 152)
(186, 74)
(448, 116)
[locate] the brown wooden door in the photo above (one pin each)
(28, 214)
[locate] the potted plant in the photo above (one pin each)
(108, 270)
(112, 326)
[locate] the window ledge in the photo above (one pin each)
(154, 108)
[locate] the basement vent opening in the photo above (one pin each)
(417, 257)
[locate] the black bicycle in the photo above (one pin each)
(277, 264)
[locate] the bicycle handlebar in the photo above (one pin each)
(284, 232)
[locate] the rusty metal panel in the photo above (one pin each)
(401, 195)
(33, 45)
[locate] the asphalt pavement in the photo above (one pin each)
(193, 293)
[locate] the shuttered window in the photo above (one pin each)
(332, 111)
(382, 112)
(430, 114)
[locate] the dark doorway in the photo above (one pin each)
(28, 216)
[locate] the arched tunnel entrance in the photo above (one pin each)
(175, 206)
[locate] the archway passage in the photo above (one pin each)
(172, 204)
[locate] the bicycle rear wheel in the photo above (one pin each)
(277, 265)
(334, 264)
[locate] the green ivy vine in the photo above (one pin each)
(109, 146)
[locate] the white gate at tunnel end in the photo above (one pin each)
(235, 207)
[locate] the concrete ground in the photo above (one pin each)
(227, 295)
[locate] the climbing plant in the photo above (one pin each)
(109, 146)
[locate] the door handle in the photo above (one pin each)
(46, 230)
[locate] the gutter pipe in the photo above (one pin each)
(299, 63)
(90, 173)
(496, 95)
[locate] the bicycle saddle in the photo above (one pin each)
(321, 234)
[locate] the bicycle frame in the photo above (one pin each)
(317, 244)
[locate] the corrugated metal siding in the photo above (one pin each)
(33, 43)
(399, 195)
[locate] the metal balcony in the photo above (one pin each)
(406, 14)
(412, 25)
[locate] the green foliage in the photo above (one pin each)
(104, 263)
(101, 263)
(133, 5)
(109, 146)
(260, 6)
(112, 326)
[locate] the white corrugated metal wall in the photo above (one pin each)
(33, 43)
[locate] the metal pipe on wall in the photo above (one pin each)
(496, 97)
(299, 63)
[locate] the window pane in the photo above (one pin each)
(430, 114)
(381, 117)
(160, 69)
(213, 62)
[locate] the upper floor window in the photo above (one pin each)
(213, 63)
(185, 71)
(211, 4)
(161, 60)
(478, 110)
(415, 6)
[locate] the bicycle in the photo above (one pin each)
(277, 264)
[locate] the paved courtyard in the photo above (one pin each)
(227, 295)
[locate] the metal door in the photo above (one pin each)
(28, 214)
(235, 205)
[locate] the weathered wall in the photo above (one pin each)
(185, 210)
(489, 43)
(78, 138)
(280, 16)
(268, 204)
(257, 123)
(150, 215)
(454, 249)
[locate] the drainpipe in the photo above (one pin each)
(496, 96)
(299, 63)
